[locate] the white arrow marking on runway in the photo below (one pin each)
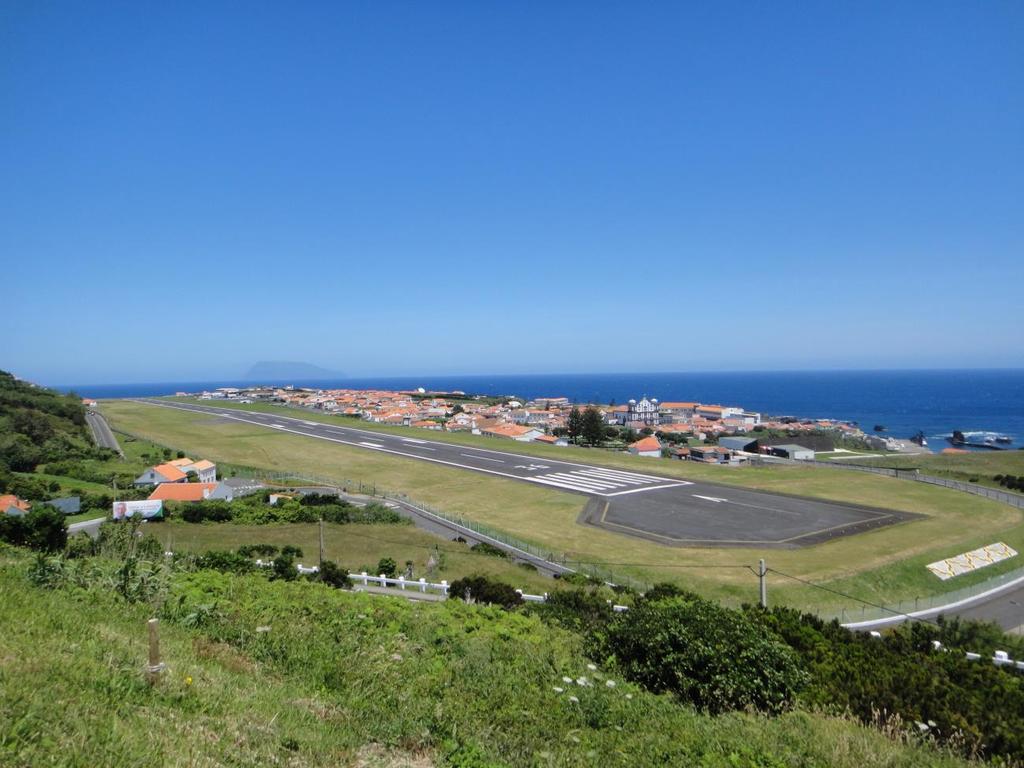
(709, 498)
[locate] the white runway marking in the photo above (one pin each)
(412, 440)
(708, 498)
(372, 445)
(482, 458)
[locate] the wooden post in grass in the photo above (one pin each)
(154, 667)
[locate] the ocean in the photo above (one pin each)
(935, 402)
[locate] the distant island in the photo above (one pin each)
(268, 370)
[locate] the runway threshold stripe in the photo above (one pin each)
(563, 486)
(581, 481)
(617, 479)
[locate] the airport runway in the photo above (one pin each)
(636, 503)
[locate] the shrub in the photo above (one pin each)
(81, 546)
(387, 566)
(332, 574)
(288, 550)
(284, 568)
(263, 550)
(484, 590)
(226, 561)
(710, 656)
(484, 548)
(42, 529)
(215, 511)
(578, 610)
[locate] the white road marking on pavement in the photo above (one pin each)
(482, 458)
(616, 478)
(372, 445)
(563, 486)
(532, 467)
(412, 440)
(311, 423)
(708, 498)
(647, 488)
(562, 477)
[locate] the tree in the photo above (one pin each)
(593, 426)
(457, 408)
(387, 566)
(575, 424)
(284, 568)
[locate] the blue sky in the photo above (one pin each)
(430, 188)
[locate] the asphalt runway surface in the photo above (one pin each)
(637, 503)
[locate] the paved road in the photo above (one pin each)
(1003, 605)
(642, 504)
(101, 432)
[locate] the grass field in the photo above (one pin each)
(358, 547)
(883, 565)
(975, 467)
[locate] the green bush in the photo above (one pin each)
(483, 548)
(225, 561)
(263, 550)
(332, 574)
(387, 566)
(481, 589)
(710, 656)
(284, 568)
(42, 529)
(975, 706)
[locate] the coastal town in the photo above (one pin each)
(685, 430)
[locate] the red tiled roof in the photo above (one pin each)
(171, 472)
(182, 491)
(649, 443)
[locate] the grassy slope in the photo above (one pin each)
(883, 565)
(344, 679)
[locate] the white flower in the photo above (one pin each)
(582, 681)
(629, 695)
(559, 690)
(610, 683)
(591, 667)
(574, 700)
(567, 680)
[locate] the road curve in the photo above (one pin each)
(101, 432)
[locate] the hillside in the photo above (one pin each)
(299, 674)
(39, 425)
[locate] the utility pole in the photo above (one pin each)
(321, 541)
(762, 573)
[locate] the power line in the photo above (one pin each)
(854, 598)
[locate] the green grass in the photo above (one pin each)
(342, 679)
(355, 547)
(883, 565)
(976, 466)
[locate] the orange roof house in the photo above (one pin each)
(11, 504)
(648, 446)
(182, 491)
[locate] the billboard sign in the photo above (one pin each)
(145, 509)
